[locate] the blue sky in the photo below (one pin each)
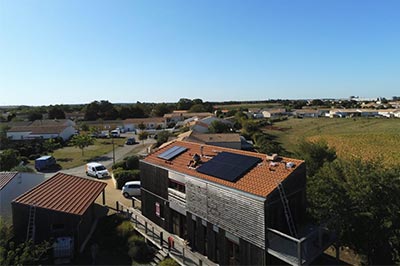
(72, 51)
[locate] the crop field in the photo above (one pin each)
(364, 138)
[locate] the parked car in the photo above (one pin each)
(44, 162)
(130, 141)
(131, 188)
(115, 133)
(96, 170)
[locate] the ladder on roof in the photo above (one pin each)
(30, 233)
(286, 208)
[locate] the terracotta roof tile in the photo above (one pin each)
(6, 177)
(260, 180)
(64, 193)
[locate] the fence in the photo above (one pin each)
(180, 252)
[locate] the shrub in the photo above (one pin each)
(119, 165)
(168, 262)
(123, 176)
(24, 159)
(125, 230)
(23, 169)
(138, 249)
(131, 163)
(33, 156)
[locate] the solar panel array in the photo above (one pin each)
(172, 152)
(228, 166)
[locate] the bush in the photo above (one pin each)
(119, 165)
(23, 169)
(24, 159)
(131, 163)
(33, 156)
(168, 262)
(125, 230)
(123, 176)
(138, 249)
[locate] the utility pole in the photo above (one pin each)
(112, 137)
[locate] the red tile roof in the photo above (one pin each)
(261, 180)
(64, 193)
(6, 177)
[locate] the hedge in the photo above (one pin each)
(123, 176)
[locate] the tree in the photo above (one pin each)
(50, 145)
(184, 104)
(162, 137)
(161, 109)
(56, 112)
(9, 159)
(142, 126)
(219, 127)
(82, 141)
(143, 135)
(34, 115)
(363, 200)
(315, 154)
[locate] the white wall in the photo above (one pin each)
(20, 184)
(17, 135)
(68, 133)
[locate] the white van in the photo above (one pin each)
(97, 170)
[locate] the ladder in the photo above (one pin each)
(288, 213)
(30, 234)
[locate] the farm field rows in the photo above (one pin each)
(364, 138)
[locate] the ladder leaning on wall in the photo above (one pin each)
(30, 233)
(286, 208)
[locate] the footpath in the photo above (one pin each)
(153, 233)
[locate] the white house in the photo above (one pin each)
(274, 113)
(12, 185)
(132, 124)
(41, 132)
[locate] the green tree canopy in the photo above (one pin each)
(9, 159)
(219, 127)
(55, 112)
(363, 200)
(82, 141)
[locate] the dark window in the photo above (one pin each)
(177, 186)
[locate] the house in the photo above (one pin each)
(132, 124)
(203, 125)
(387, 112)
(344, 113)
(235, 207)
(61, 206)
(180, 115)
(306, 113)
(12, 185)
(227, 140)
(274, 113)
(42, 129)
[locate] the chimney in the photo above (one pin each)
(201, 150)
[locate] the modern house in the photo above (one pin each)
(43, 129)
(235, 207)
(61, 206)
(12, 185)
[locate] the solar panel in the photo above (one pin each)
(172, 152)
(228, 166)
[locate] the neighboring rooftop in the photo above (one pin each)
(45, 129)
(197, 137)
(6, 177)
(64, 193)
(261, 180)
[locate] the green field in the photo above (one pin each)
(364, 138)
(69, 157)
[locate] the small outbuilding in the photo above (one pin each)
(62, 206)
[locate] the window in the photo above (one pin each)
(177, 186)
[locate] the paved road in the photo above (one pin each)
(112, 194)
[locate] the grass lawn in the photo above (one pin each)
(364, 138)
(69, 157)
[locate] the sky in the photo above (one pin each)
(73, 51)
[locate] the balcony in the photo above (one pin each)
(300, 251)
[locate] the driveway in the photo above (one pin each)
(112, 194)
